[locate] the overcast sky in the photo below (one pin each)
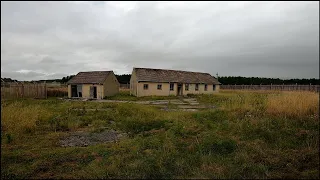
(44, 40)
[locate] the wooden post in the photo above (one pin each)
(45, 89)
(10, 89)
(22, 93)
(310, 87)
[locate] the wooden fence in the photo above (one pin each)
(315, 88)
(14, 91)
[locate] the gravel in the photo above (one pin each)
(86, 139)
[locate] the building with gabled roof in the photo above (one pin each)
(93, 85)
(164, 82)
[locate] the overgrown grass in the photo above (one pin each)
(57, 92)
(249, 135)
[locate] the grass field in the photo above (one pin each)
(250, 135)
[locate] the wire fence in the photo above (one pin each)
(315, 88)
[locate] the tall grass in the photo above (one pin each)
(57, 91)
(293, 104)
(275, 103)
(18, 118)
(249, 135)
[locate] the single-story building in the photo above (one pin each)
(163, 82)
(93, 85)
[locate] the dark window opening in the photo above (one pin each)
(197, 87)
(171, 86)
(145, 86)
(205, 87)
(159, 86)
(187, 87)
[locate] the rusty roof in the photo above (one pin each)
(90, 77)
(166, 75)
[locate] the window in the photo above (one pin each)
(205, 87)
(159, 86)
(187, 87)
(171, 86)
(214, 87)
(145, 86)
(197, 87)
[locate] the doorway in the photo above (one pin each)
(93, 92)
(179, 92)
(76, 90)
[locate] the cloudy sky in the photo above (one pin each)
(44, 40)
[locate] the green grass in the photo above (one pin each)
(243, 138)
(125, 96)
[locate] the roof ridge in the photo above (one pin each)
(173, 70)
(90, 77)
(94, 71)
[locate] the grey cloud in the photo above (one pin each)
(269, 39)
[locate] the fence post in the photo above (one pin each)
(310, 87)
(10, 90)
(45, 89)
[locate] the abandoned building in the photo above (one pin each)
(93, 85)
(162, 82)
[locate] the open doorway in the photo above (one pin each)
(93, 92)
(76, 90)
(179, 89)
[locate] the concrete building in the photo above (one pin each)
(93, 85)
(163, 82)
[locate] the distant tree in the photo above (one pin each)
(124, 78)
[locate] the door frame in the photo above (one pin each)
(93, 92)
(179, 89)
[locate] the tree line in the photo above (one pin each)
(256, 81)
(125, 79)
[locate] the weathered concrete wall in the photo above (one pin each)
(165, 91)
(111, 86)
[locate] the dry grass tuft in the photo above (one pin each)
(57, 91)
(18, 119)
(293, 104)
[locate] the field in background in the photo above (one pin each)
(251, 134)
